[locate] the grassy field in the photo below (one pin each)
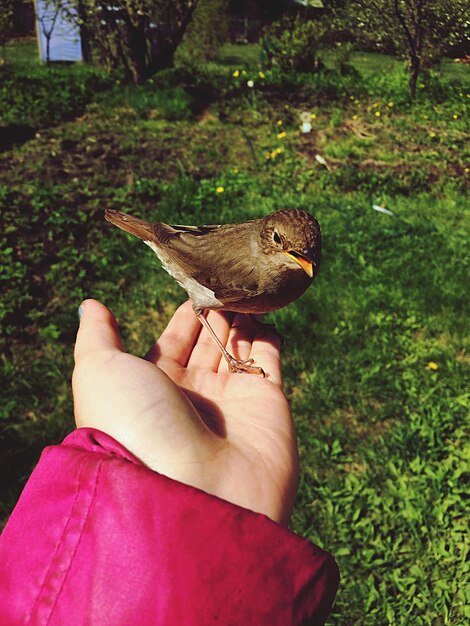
(376, 353)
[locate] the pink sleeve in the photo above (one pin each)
(98, 539)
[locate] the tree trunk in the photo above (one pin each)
(162, 53)
(415, 69)
(84, 33)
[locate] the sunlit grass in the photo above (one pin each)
(381, 430)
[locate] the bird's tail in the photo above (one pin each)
(130, 224)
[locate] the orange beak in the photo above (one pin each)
(304, 262)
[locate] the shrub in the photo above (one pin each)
(45, 96)
(293, 44)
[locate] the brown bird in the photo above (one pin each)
(253, 267)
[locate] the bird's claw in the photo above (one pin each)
(235, 365)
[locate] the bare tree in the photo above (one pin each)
(139, 36)
(47, 21)
(417, 29)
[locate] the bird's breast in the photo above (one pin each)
(279, 291)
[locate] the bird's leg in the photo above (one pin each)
(234, 365)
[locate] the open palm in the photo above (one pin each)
(228, 434)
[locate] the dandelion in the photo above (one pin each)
(433, 366)
(261, 75)
(377, 114)
(236, 73)
(250, 84)
(355, 117)
(313, 116)
(279, 122)
(467, 170)
(267, 155)
(455, 116)
(390, 104)
(432, 134)
(220, 189)
(279, 150)
(273, 154)
(281, 135)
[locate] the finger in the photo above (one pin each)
(240, 338)
(266, 353)
(98, 330)
(206, 354)
(178, 339)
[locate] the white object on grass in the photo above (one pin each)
(382, 209)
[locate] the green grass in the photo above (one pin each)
(381, 433)
(21, 52)
(367, 63)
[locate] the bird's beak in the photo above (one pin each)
(303, 260)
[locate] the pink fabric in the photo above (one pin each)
(99, 539)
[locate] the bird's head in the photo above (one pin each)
(294, 237)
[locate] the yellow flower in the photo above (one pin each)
(273, 154)
(432, 134)
(390, 104)
(279, 150)
(235, 170)
(355, 117)
(279, 122)
(220, 190)
(377, 114)
(313, 116)
(281, 135)
(267, 155)
(236, 73)
(261, 74)
(455, 116)
(467, 170)
(433, 366)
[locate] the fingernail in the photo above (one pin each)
(80, 311)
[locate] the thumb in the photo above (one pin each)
(98, 330)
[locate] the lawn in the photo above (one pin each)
(376, 352)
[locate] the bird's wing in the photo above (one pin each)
(218, 257)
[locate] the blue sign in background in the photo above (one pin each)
(65, 44)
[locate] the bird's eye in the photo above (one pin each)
(276, 237)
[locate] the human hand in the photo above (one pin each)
(184, 415)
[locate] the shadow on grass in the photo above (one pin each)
(15, 135)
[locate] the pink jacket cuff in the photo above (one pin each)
(98, 539)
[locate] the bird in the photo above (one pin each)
(251, 267)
